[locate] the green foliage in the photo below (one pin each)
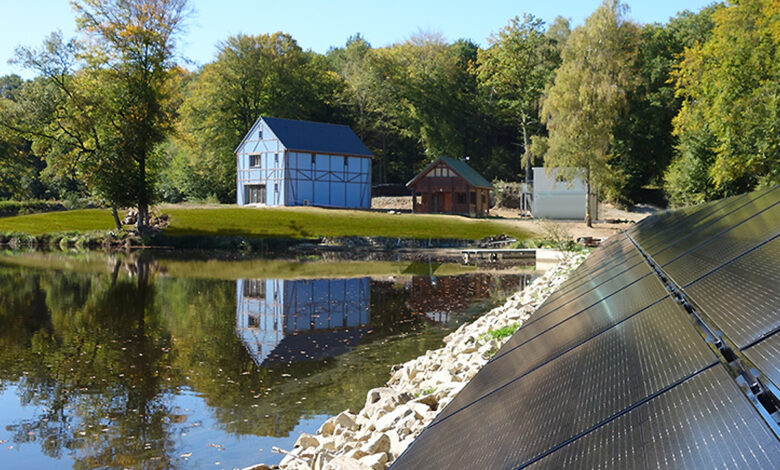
(501, 333)
(584, 105)
(730, 116)
(28, 207)
(514, 71)
(643, 140)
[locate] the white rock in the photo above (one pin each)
(378, 443)
(342, 462)
(390, 419)
(375, 461)
(346, 420)
(307, 440)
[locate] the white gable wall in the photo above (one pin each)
(557, 199)
(271, 170)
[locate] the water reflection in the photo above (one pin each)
(285, 321)
(117, 365)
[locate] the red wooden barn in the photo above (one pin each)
(449, 186)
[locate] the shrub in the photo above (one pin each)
(9, 208)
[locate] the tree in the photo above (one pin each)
(133, 43)
(644, 138)
(730, 116)
(107, 97)
(584, 104)
(515, 70)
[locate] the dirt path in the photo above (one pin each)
(574, 228)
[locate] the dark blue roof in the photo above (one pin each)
(310, 136)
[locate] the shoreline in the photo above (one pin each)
(393, 416)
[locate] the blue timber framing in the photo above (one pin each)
(281, 162)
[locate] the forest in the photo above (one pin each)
(689, 109)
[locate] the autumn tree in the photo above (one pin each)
(107, 96)
(730, 116)
(589, 94)
(514, 71)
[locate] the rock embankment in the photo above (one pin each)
(395, 415)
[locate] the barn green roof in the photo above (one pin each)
(461, 168)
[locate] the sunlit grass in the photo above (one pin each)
(315, 222)
(274, 223)
(82, 220)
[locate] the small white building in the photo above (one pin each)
(555, 198)
(284, 162)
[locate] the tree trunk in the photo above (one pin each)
(526, 152)
(143, 206)
(117, 222)
(588, 219)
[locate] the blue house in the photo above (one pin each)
(283, 162)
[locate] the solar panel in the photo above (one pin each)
(766, 356)
(565, 397)
(588, 285)
(756, 213)
(526, 357)
(703, 423)
(721, 249)
(699, 219)
(742, 297)
(627, 293)
(611, 372)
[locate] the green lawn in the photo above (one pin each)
(283, 223)
(82, 220)
(313, 222)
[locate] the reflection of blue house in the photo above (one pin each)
(288, 321)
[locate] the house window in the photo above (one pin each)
(254, 194)
(260, 133)
(460, 198)
(276, 159)
(254, 288)
(254, 322)
(254, 161)
(474, 197)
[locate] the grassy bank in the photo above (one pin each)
(295, 223)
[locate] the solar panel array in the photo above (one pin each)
(660, 351)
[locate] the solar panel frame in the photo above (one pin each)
(765, 355)
(603, 357)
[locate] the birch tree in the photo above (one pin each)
(585, 103)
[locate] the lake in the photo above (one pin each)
(169, 360)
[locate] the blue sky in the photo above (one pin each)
(318, 25)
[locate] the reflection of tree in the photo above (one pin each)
(94, 360)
